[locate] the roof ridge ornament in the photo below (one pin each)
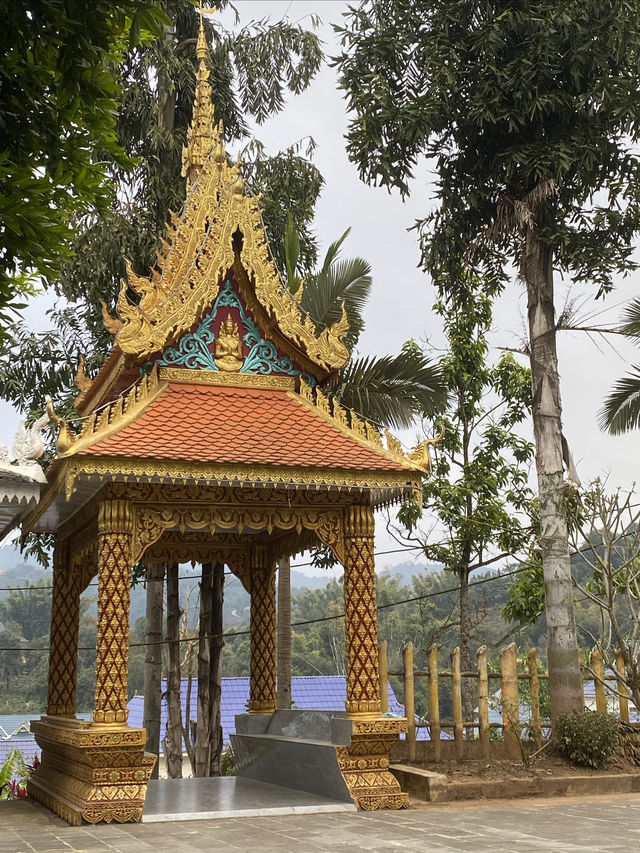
(109, 419)
(365, 431)
(204, 135)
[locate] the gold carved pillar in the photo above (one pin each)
(65, 621)
(262, 682)
(115, 535)
(365, 762)
(361, 620)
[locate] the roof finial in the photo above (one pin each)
(202, 135)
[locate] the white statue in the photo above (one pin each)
(28, 445)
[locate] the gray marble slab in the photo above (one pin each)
(229, 796)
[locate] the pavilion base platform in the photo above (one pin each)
(93, 772)
(323, 752)
(230, 796)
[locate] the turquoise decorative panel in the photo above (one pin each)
(196, 349)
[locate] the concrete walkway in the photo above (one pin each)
(608, 824)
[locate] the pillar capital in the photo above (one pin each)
(115, 516)
(359, 521)
(259, 558)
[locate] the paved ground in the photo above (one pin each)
(571, 825)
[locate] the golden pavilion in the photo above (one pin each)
(207, 436)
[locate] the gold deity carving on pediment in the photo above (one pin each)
(228, 354)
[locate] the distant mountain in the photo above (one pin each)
(406, 570)
(300, 580)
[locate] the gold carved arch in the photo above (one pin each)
(232, 550)
(150, 523)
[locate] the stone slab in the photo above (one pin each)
(227, 797)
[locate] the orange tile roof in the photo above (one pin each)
(220, 424)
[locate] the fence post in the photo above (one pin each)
(534, 685)
(509, 700)
(383, 669)
(456, 696)
(598, 681)
(483, 701)
(622, 689)
(409, 703)
(434, 703)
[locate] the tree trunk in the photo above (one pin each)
(465, 649)
(173, 742)
(283, 666)
(215, 671)
(201, 747)
(564, 672)
(153, 660)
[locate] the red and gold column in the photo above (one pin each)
(365, 762)
(115, 538)
(262, 681)
(360, 614)
(65, 622)
(95, 771)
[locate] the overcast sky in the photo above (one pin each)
(400, 306)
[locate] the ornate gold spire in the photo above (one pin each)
(203, 135)
(220, 229)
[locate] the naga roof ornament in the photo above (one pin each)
(220, 229)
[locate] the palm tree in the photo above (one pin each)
(390, 391)
(621, 410)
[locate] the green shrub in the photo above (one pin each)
(587, 738)
(227, 762)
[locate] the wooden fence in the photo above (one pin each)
(510, 701)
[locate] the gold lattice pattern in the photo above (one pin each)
(63, 657)
(262, 697)
(114, 578)
(361, 624)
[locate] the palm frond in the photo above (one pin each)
(391, 391)
(631, 319)
(621, 410)
(346, 280)
(333, 251)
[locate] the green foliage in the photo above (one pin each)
(227, 762)
(391, 390)
(588, 738)
(338, 282)
(59, 100)
(525, 600)
(14, 764)
(478, 492)
(529, 111)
